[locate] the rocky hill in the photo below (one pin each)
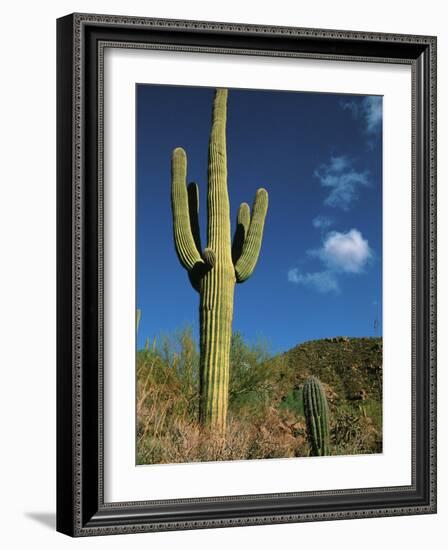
(350, 368)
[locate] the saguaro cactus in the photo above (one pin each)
(214, 271)
(316, 414)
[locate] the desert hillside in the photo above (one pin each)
(266, 417)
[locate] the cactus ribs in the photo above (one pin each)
(214, 271)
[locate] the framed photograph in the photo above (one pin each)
(246, 274)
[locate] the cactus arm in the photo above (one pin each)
(245, 264)
(193, 209)
(209, 258)
(186, 248)
(242, 227)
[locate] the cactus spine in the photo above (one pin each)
(316, 414)
(214, 271)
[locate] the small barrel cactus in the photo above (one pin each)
(316, 414)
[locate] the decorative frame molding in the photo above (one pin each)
(81, 42)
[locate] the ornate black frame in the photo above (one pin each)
(81, 510)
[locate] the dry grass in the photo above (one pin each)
(183, 440)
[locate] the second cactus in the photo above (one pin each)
(316, 414)
(214, 271)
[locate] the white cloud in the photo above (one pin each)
(322, 222)
(373, 112)
(341, 253)
(322, 281)
(338, 164)
(369, 110)
(345, 252)
(342, 180)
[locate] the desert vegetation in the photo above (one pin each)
(220, 398)
(266, 413)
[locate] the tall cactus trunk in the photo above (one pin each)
(214, 272)
(217, 288)
(216, 312)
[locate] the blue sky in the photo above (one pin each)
(320, 158)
